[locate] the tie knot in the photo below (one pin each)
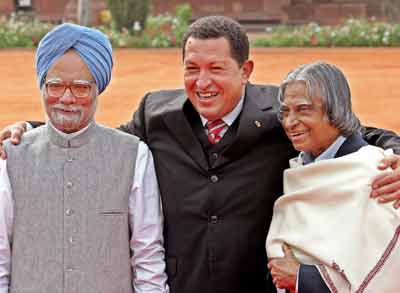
(214, 130)
(211, 125)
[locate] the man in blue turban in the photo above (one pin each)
(88, 219)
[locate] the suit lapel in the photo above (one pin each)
(178, 125)
(255, 120)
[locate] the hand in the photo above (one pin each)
(15, 131)
(386, 187)
(284, 270)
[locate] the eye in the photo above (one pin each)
(191, 68)
(304, 108)
(55, 85)
(283, 113)
(80, 89)
(216, 68)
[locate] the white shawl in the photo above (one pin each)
(327, 217)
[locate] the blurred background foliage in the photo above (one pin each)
(130, 24)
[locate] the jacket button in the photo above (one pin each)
(214, 156)
(214, 178)
(214, 219)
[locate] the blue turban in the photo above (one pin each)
(91, 45)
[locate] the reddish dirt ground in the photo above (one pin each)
(373, 75)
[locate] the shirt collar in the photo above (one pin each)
(231, 116)
(70, 140)
(329, 153)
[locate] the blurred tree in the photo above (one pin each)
(129, 14)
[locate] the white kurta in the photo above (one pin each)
(328, 218)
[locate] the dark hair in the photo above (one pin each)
(214, 27)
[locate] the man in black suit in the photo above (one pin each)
(217, 198)
(218, 186)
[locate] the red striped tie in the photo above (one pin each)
(214, 129)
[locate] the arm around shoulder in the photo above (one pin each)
(382, 138)
(137, 125)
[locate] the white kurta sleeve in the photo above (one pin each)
(146, 220)
(6, 222)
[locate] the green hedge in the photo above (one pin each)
(160, 31)
(167, 31)
(15, 33)
(354, 32)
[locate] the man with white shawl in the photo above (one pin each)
(325, 215)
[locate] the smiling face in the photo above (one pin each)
(304, 120)
(68, 113)
(214, 81)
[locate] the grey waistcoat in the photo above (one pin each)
(71, 230)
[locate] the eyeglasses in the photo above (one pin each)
(79, 88)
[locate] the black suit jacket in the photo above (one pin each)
(216, 215)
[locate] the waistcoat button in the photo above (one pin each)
(69, 212)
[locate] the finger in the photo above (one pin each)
(391, 197)
(3, 154)
(16, 134)
(392, 161)
(396, 204)
(287, 250)
(392, 186)
(271, 264)
(4, 134)
(384, 180)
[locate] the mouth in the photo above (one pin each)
(206, 95)
(296, 136)
(67, 111)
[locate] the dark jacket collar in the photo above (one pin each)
(352, 144)
(256, 118)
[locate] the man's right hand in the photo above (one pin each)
(14, 132)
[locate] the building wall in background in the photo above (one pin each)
(254, 14)
(6, 6)
(332, 11)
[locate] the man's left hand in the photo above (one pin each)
(386, 187)
(284, 270)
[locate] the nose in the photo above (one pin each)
(290, 121)
(67, 98)
(203, 81)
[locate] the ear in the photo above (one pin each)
(247, 69)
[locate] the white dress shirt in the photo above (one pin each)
(145, 219)
(228, 118)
